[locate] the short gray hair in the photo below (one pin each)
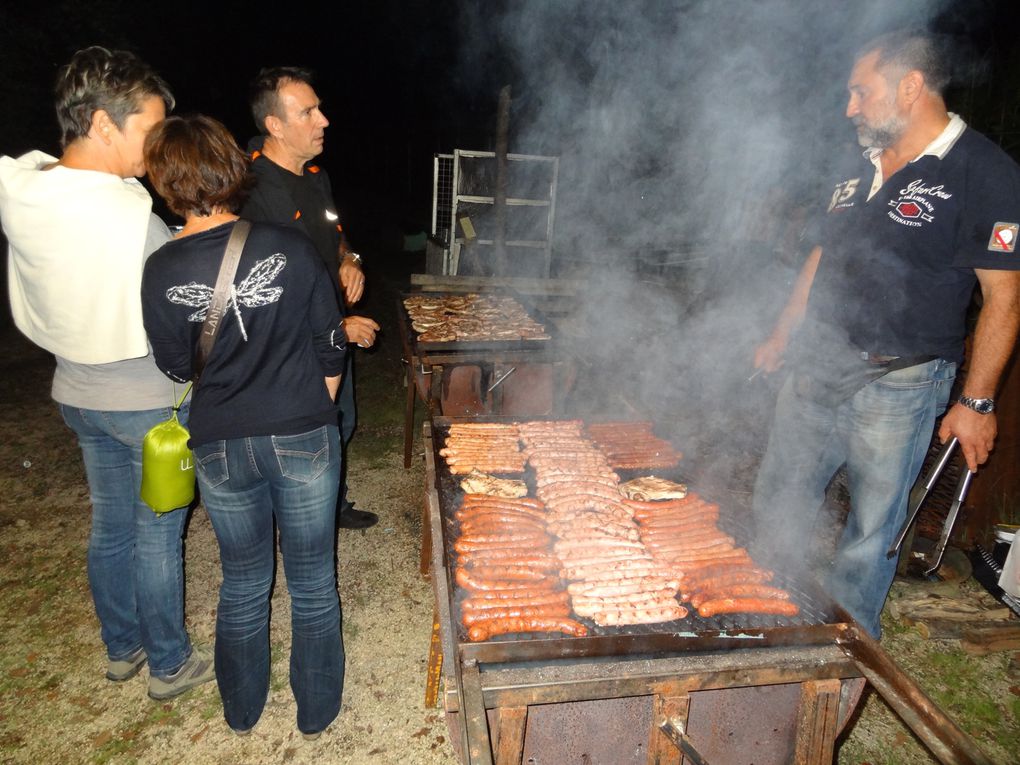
(96, 78)
(907, 50)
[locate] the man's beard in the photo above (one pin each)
(882, 135)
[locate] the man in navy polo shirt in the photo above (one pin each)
(875, 326)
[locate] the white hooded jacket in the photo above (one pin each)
(75, 258)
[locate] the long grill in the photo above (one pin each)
(756, 662)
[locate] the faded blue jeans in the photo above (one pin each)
(134, 556)
(245, 484)
(882, 433)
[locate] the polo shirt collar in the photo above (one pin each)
(937, 148)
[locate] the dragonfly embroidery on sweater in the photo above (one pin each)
(253, 291)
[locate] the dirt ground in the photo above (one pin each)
(56, 707)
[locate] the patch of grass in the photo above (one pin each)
(961, 693)
(350, 629)
(277, 681)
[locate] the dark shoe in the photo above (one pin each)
(196, 670)
(352, 518)
(125, 669)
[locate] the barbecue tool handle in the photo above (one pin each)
(947, 527)
(920, 491)
(674, 730)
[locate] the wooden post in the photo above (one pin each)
(662, 751)
(817, 722)
(512, 722)
(434, 670)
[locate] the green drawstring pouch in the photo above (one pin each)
(168, 470)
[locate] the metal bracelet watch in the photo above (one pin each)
(355, 256)
(979, 405)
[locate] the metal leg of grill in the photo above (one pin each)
(426, 541)
(476, 723)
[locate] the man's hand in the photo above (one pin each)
(352, 279)
(360, 330)
(769, 355)
(975, 431)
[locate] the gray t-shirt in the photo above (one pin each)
(121, 386)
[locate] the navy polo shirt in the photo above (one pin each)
(897, 270)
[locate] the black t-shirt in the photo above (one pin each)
(897, 271)
(303, 202)
(275, 343)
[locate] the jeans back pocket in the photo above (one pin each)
(211, 463)
(303, 457)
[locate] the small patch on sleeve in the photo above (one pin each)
(1003, 237)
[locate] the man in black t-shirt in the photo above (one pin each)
(876, 322)
(290, 190)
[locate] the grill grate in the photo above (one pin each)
(815, 607)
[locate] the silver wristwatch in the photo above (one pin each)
(979, 405)
(355, 256)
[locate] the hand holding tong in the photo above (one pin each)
(920, 491)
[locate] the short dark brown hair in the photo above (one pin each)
(905, 50)
(113, 80)
(195, 164)
(264, 92)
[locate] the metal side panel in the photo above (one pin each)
(453, 698)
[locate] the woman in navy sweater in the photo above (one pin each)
(263, 420)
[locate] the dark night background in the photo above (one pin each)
(403, 79)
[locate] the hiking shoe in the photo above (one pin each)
(352, 518)
(124, 669)
(196, 670)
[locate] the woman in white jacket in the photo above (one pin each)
(80, 228)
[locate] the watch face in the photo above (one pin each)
(979, 405)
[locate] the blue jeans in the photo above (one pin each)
(134, 557)
(245, 483)
(882, 433)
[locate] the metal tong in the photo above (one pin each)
(918, 494)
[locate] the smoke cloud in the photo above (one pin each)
(693, 139)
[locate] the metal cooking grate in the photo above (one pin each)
(815, 607)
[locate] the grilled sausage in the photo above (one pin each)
(509, 612)
(748, 605)
(738, 591)
(539, 596)
(612, 617)
(487, 628)
(476, 581)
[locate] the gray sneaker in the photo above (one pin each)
(124, 669)
(196, 670)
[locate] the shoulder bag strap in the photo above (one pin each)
(221, 294)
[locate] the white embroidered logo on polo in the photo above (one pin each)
(915, 205)
(843, 193)
(253, 291)
(1004, 237)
